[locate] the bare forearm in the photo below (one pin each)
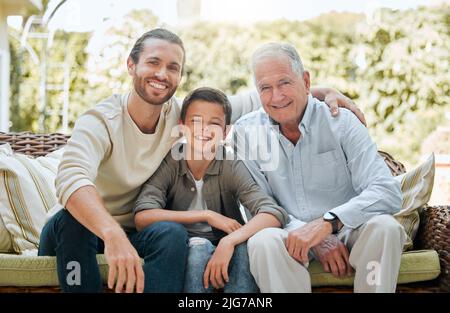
(257, 223)
(86, 206)
(148, 217)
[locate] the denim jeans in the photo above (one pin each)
(240, 278)
(162, 245)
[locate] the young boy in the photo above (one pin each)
(202, 190)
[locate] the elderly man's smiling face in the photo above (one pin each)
(283, 92)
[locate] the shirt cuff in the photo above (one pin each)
(350, 217)
(282, 218)
(147, 205)
(65, 195)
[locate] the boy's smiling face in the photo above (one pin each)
(205, 125)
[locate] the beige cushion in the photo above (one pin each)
(5, 238)
(19, 270)
(417, 186)
(27, 193)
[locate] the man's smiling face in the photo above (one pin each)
(158, 73)
(283, 93)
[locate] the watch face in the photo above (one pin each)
(328, 216)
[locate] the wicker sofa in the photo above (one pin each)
(425, 269)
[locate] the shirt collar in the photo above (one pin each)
(306, 120)
(213, 169)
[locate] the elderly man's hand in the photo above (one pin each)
(334, 99)
(300, 240)
(334, 256)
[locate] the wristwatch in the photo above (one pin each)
(333, 220)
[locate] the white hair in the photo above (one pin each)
(275, 49)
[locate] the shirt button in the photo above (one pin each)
(192, 189)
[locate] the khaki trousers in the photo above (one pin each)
(375, 253)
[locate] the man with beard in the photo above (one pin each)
(114, 148)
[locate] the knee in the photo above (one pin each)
(200, 244)
(200, 251)
(265, 240)
(64, 225)
(386, 226)
(168, 233)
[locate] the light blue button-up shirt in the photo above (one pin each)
(334, 167)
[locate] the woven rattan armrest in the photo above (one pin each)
(434, 233)
(34, 144)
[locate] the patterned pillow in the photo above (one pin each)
(27, 193)
(417, 186)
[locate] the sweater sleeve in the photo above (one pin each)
(243, 103)
(88, 146)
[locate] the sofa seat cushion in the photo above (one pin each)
(416, 266)
(32, 271)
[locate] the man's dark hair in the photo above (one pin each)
(158, 33)
(209, 95)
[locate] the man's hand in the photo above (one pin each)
(334, 99)
(334, 256)
(123, 261)
(86, 206)
(300, 240)
(216, 270)
(221, 222)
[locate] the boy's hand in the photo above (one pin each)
(216, 270)
(221, 222)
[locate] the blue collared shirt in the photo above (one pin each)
(334, 167)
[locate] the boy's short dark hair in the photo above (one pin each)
(209, 95)
(157, 33)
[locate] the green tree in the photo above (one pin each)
(109, 51)
(68, 48)
(406, 79)
(394, 64)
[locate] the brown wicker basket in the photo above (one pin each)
(434, 230)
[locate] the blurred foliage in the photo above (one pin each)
(108, 52)
(68, 49)
(405, 87)
(438, 142)
(394, 64)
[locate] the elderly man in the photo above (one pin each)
(329, 177)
